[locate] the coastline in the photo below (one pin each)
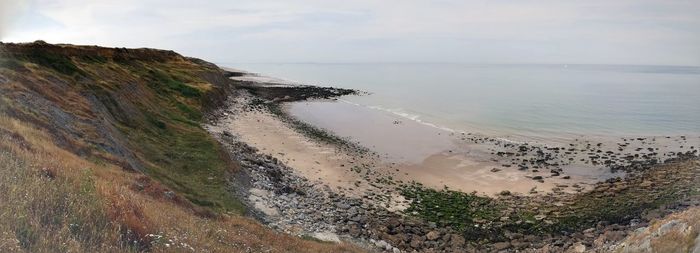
(314, 193)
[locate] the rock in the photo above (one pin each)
(396, 250)
(501, 246)
(381, 244)
(457, 241)
(327, 237)
(416, 242)
(671, 225)
(392, 223)
(432, 235)
(342, 206)
(614, 235)
(578, 248)
(646, 184)
(696, 249)
(353, 230)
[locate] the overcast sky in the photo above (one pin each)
(226, 31)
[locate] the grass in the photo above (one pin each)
(10, 63)
(166, 133)
(59, 63)
(66, 186)
(54, 201)
(162, 79)
(45, 208)
(190, 162)
(38, 210)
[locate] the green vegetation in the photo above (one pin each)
(77, 128)
(189, 161)
(165, 80)
(10, 63)
(156, 106)
(180, 152)
(590, 208)
(465, 212)
(614, 201)
(40, 209)
(60, 63)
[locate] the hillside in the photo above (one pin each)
(103, 149)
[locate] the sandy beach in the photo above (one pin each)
(375, 168)
(468, 169)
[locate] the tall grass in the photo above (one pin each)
(80, 199)
(54, 201)
(40, 212)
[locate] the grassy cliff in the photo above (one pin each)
(102, 149)
(139, 109)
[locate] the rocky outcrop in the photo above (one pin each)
(678, 232)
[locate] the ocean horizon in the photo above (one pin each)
(527, 100)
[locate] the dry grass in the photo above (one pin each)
(114, 113)
(44, 209)
(55, 201)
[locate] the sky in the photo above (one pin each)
(645, 32)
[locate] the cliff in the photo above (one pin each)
(139, 109)
(103, 150)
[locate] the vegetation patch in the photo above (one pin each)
(175, 85)
(465, 212)
(39, 210)
(10, 63)
(60, 63)
(616, 201)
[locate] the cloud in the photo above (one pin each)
(625, 31)
(9, 11)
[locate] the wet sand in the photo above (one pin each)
(409, 151)
(273, 137)
(321, 163)
(439, 157)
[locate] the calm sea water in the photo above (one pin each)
(527, 100)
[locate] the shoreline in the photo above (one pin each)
(292, 198)
(472, 162)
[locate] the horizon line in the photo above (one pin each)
(461, 63)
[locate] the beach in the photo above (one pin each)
(316, 165)
(408, 149)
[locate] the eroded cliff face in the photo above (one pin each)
(138, 108)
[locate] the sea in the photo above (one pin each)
(522, 100)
